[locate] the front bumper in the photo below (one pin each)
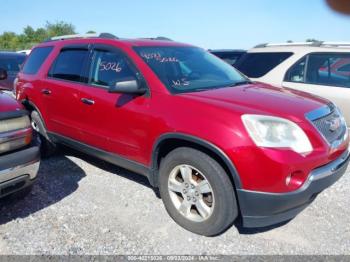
(260, 209)
(18, 170)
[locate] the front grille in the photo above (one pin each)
(331, 125)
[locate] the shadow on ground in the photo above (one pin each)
(58, 177)
(108, 167)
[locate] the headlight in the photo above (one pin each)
(14, 133)
(14, 124)
(276, 132)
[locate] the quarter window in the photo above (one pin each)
(228, 57)
(297, 72)
(36, 58)
(256, 65)
(69, 65)
(108, 68)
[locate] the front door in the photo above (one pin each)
(114, 122)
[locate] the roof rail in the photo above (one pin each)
(338, 44)
(64, 37)
(314, 43)
(226, 50)
(157, 38)
(261, 45)
(108, 36)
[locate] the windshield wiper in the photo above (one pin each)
(241, 83)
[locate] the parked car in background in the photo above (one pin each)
(214, 143)
(11, 63)
(27, 51)
(19, 152)
(321, 68)
(230, 56)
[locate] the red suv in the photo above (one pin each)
(215, 144)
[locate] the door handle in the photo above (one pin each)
(46, 91)
(87, 101)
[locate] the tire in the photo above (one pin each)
(47, 147)
(220, 204)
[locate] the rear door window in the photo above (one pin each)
(256, 65)
(36, 58)
(70, 65)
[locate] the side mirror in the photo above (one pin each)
(3, 74)
(132, 87)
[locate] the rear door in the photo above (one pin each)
(61, 91)
(323, 74)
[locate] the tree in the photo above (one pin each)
(91, 32)
(312, 40)
(59, 28)
(31, 36)
(8, 41)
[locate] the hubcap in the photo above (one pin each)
(191, 193)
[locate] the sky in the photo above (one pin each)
(209, 24)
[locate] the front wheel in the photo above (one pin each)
(197, 192)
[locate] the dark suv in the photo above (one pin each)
(10, 64)
(230, 56)
(215, 144)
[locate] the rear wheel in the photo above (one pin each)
(47, 147)
(197, 192)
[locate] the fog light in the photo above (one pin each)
(295, 179)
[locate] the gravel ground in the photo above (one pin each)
(81, 205)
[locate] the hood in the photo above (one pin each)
(260, 98)
(8, 103)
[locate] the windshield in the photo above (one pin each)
(188, 69)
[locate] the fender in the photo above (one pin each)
(198, 141)
(43, 125)
(28, 102)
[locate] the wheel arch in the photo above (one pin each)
(30, 106)
(168, 142)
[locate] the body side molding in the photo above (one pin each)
(101, 154)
